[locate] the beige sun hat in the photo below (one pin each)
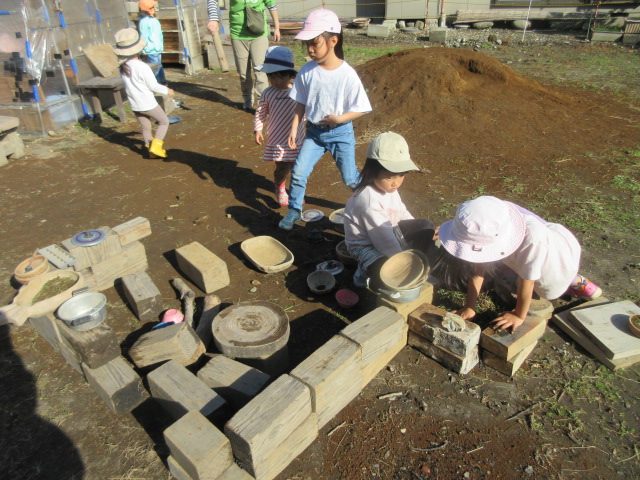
(392, 152)
(405, 270)
(128, 42)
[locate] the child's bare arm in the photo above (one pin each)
(473, 292)
(515, 318)
(333, 120)
(297, 118)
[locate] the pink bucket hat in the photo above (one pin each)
(318, 22)
(486, 229)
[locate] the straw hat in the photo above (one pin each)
(128, 42)
(486, 229)
(405, 270)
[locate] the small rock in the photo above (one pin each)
(168, 217)
(201, 220)
(51, 133)
(253, 290)
(387, 454)
(391, 368)
(228, 215)
(255, 282)
(403, 430)
(466, 475)
(528, 469)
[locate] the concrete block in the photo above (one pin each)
(333, 373)
(143, 296)
(273, 428)
(631, 38)
(461, 365)
(606, 36)
(438, 34)
(208, 271)
(378, 31)
(235, 382)
(389, 23)
(198, 447)
(426, 321)
(119, 386)
(506, 345)
(404, 309)
(381, 334)
(179, 391)
(508, 367)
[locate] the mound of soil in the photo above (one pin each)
(458, 104)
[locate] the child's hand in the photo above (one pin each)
(330, 120)
(507, 320)
(259, 137)
(171, 92)
(292, 141)
(466, 313)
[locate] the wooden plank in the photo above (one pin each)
(131, 259)
(117, 384)
(333, 373)
(87, 256)
(381, 334)
(143, 296)
(179, 391)
(132, 230)
(505, 344)
(234, 472)
(273, 428)
(198, 447)
(176, 470)
(461, 365)
(275, 364)
(561, 320)
(235, 382)
(103, 59)
(606, 326)
(47, 327)
(95, 347)
(176, 342)
(508, 367)
(205, 269)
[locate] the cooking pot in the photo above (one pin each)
(84, 311)
(401, 296)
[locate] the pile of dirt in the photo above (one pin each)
(460, 104)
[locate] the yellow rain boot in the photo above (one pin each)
(156, 148)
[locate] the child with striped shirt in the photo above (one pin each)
(276, 109)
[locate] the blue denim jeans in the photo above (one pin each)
(160, 73)
(340, 142)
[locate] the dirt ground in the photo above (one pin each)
(529, 123)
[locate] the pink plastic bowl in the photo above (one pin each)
(173, 315)
(347, 298)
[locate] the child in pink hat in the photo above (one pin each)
(545, 256)
(329, 92)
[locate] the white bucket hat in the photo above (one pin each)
(486, 229)
(392, 152)
(277, 59)
(128, 42)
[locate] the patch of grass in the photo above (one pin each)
(623, 182)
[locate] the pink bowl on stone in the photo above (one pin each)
(347, 298)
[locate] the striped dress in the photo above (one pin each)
(278, 107)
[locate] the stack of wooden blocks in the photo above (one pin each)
(278, 424)
(120, 253)
(456, 350)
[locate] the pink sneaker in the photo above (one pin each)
(281, 195)
(585, 289)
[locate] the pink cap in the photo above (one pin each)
(318, 22)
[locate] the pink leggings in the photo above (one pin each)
(144, 119)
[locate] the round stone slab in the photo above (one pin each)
(251, 329)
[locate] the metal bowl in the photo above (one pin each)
(84, 311)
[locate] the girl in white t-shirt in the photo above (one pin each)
(330, 93)
(377, 224)
(488, 231)
(140, 84)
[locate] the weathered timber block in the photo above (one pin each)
(234, 472)
(198, 447)
(506, 345)
(273, 428)
(333, 373)
(135, 229)
(176, 470)
(508, 367)
(273, 365)
(381, 334)
(208, 271)
(89, 279)
(210, 309)
(179, 391)
(95, 347)
(142, 295)
(462, 365)
(404, 309)
(100, 252)
(47, 327)
(235, 382)
(132, 258)
(426, 321)
(117, 384)
(176, 342)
